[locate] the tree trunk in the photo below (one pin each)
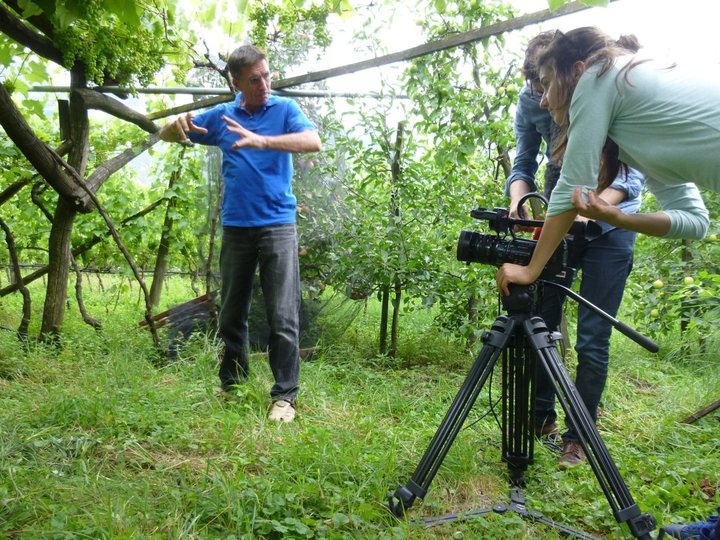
(394, 329)
(161, 262)
(395, 220)
(58, 269)
(61, 232)
(385, 301)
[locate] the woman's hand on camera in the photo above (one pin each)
(513, 273)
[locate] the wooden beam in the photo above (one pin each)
(408, 54)
(435, 46)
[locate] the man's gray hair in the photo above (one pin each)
(240, 58)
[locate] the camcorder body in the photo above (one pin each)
(503, 247)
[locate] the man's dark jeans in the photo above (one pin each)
(606, 262)
(274, 250)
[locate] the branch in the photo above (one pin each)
(10, 241)
(95, 323)
(101, 102)
(194, 106)
(13, 27)
(103, 171)
(35, 197)
(61, 176)
(223, 72)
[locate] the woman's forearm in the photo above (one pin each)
(655, 224)
(594, 207)
(553, 231)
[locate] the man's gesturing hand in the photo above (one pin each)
(184, 125)
(247, 139)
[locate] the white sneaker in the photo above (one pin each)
(282, 411)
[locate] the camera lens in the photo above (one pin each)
(490, 249)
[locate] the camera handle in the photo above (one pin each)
(535, 199)
(525, 344)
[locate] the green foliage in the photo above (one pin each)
(287, 23)
(97, 36)
(67, 12)
(690, 276)
(20, 70)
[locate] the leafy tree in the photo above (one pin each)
(97, 42)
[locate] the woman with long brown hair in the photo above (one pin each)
(620, 110)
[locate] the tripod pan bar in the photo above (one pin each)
(623, 328)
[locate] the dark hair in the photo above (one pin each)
(534, 46)
(591, 46)
(243, 56)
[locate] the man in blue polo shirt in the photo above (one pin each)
(257, 133)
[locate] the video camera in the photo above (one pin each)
(497, 249)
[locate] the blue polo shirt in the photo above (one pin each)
(258, 183)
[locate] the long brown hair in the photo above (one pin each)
(591, 46)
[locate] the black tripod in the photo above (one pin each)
(524, 340)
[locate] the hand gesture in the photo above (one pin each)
(247, 139)
(184, 125)
(594, 207)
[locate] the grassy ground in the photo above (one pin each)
(100, 440)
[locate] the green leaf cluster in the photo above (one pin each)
(287, 22)
(118, 43)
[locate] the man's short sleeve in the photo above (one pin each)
(296, 119)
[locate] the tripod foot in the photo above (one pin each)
(400, 502)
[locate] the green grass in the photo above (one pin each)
(99, 440)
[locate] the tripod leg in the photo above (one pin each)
(518, 374)
(494, 341)
(616, 492)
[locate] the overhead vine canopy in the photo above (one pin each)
(125, 44)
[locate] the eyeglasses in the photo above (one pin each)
(256, 79)
(536, 87)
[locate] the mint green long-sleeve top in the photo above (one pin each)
(666, 122)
